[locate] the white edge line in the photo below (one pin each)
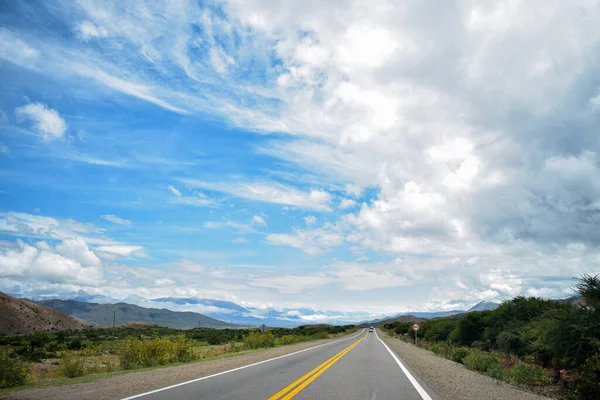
(239, 368)
(411, 378)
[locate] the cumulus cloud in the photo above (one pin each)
(347, 203)
(46, 121)
(116, 220)
(71, 262)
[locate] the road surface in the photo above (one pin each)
(359, 367)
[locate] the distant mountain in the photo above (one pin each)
(402, 318)
(102, 314)
(251, 316)
(21, 316)
(575, 300)
(436, 314)
(483, 306)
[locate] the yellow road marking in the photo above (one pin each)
(305, 380)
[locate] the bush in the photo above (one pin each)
(256, 340)
(442, 349)
(529, 374)
(288, 339)
(72, 366)
(510, 342)
(457, 354)
(13, 371)
(478, 360)
(136, 353)
(497, 372)
(321, 335)
(589, 384)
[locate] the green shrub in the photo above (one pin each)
(589, 384)
(135, 353)
(71, 365)
(13, 371)
(321, 335)
(497, 372)
(256, 340)
(529, 374)
(457, 354)
(442, 349)
(478, 360)
(288, 339)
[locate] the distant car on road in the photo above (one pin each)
(371, 329)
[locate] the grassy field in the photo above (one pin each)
(58, 358)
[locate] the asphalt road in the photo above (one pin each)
(359, 367)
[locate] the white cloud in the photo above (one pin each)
(87, 30)
(269, 192)
(4, 149)
(77, 249)
(46, 265)
(239, 240)
(122, 250)
(116, 220)
(141, 91)
(291, 283)
(15, 50)
(49, 124)
(258, 220)
(174, 190)
(310, 220)
(240, 228)
(347, 203)
(310, 241)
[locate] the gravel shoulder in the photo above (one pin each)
(117, 387)
(450, 380)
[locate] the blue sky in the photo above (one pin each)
(337, 156)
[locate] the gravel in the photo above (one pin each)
(117, 387)
(451, 380)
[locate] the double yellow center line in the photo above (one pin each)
(295, 387)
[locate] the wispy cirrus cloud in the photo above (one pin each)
(269, 192)
(116, 220)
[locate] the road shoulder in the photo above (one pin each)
(450, 380)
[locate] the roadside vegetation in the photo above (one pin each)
(43, 357)
(527, 341)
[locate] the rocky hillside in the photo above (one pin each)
(20, 316)
(103, 314)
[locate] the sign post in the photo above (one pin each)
(416, 328)
(263, 328)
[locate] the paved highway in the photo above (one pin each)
(359, 367)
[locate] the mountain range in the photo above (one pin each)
(212, 312)
(121, 313)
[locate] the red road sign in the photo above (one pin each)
(416, 327)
